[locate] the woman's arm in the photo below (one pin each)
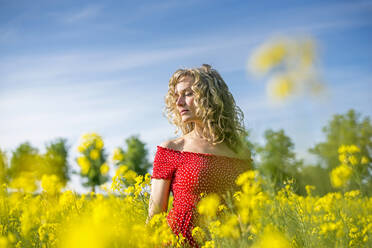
(160, 189)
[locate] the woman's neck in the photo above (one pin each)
(197, 133)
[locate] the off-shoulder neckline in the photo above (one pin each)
(205, 154)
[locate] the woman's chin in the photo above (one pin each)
(185, 119)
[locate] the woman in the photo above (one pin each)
(209, 155)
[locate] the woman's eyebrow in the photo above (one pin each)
(188, 88)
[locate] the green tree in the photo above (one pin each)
(317, 176)
(25, 158)
(135, 156)
(55, 159)
(25, 169)
(3, 167)
(92, 161)
(278, 161)
(250, 146)
(347, 129)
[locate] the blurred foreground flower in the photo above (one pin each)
(208, 206)
(293, 67)
(272, 238)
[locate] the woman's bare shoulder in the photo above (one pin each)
(175, 144)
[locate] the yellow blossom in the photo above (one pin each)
(268, 56)
(121, 170)
(342, 149)
(272, 238)
(364, 160)
(117, 155)
(3, 242)
(26, 182)
(246, 176)
(340, 175)
(280, 87)
(353, 160)
(84, 164)
(309, 189)
(104, 169)
(342, 158)
(88, 140)
(209, 244)
(99, 144)
(130, 176)
(94, 154)
(198, 234)
(51, 184)
(353, 149)
(208, 206)
(352, 194)
(230, 228)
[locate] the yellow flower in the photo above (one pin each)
(281, 87)
(237, 195)
(222, 207)
(51, 184)
(99, 144)
(246, 177)
(198, 234)
(84, 164)
(81, 148)
(364, 160)
(309, 189)
(353, 149)
(272, 238)
(104, 169)
(67, 199)
(130, 176)
(121, 170)
(268, 56)
(342, 158)
(230, 228)
(26, 181)
(94, 154)
(90, 139)
(353, 160)
(209, 244)
(352, 194)
(3, 242)
(340, 175)
(208, 206)
(117, 155)
(342, 149)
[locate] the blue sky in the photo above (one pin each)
(71, 67)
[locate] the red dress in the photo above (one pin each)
(191, 174)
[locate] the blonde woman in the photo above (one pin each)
(209, 155)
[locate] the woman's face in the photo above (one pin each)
(185, 99)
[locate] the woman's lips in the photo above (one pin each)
(183, 111)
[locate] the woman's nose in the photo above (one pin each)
(180, 101)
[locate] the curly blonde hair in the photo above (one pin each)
(222, 119)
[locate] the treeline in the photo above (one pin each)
(343, 160)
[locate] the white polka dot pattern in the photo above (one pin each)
(192, 174)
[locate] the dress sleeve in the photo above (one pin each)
(164, 165)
